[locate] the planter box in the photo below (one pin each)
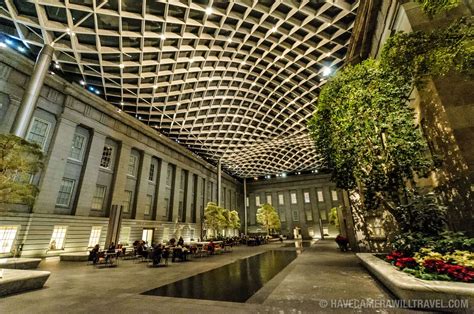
(15, 280)
(19, 263)
(408, 287)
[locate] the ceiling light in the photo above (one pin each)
(122, 65)
(229, 40)
(97, 91)
(57, 66)
(155, 86)
(21, 49)
(274, 29)
(326, 71)
(9, 42)
(82, 82)
(209, 10)
(2, 45)
(121, 103)
(191, 60)
(52, 73)
(162, 36)
(119, 110)
(283, 175)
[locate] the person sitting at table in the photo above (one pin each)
(172, 242)
(94, 254)
(181, 241)
(211, 247)
(111, 248)
(156, 255)
(177, 253)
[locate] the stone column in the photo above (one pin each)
(54, 169)
(188, 196)
(219, 183)
(120, 177)
(161, 188)
(175, 193)
(32, 92)
(91, 173)
(142, 188)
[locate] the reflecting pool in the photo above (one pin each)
(235, 282)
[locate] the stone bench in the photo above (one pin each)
(408, 287)
(19, 263)
(16, 280)
(74, 257)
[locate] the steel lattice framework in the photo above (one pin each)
(230, 80)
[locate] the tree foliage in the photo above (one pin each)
(214, 217)
(434, 7)
(268, 217)
(363, 125)
(365, 129)
(19, 160)
(234, 220)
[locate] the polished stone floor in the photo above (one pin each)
(316, 281)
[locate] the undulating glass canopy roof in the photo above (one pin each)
(230, 80)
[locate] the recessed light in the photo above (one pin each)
(162, 36)
(155, 86)
(209, 10)
(121, 103)
(119, 110)
(253, 83)
(326, 71)
(229, 40)
(21, 49)
(97, 92)
(57, 66)
(9, 42)
(82, 82)
(121, 65)
(274, 29)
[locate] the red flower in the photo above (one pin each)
(405, 262)
(457, 272)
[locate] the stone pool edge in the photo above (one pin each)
(408, 287)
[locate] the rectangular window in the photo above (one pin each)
(296, 215)
(65, 192)
(78, 145)
(151, 174)
(106, 160)
(132, 165)
(147, 236)
(38, 132)
(320, 196)
(309, 215)
(99, 197)
(323, 214)
(148, 204)
(125, 235)
(257, 200)
(247, 200)
(58, 237)
(282, 215)
(334, 195)
(306, 197)
(95, 236)
(281, 199)
(7, 238)
(269, 199)
(293, 198)
(127, 203)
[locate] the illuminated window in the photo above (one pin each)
(38, 132)
(306, 197)
(281, 199)
(77, 149)
(95, 236)
(334, 195)
(65, 192)
(293, 198)
(7, 237)
(58, 237)
(269, 199)
(125, 235)
(257, 200)
(147, 235)
(320, 196)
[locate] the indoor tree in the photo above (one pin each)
(214, 217)
(19, 160)
(268, 217)
(234, 220)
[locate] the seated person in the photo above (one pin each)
(211, 247)
(111, 248)
(142, 251)
(94, 254)
(181, 241)
(342, 242)
(172, 242)
(156, 255)
(177, 253)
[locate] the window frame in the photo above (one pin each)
(84, 144)
(306, 197)
(281, 199)
(293, 201)
(70, 194)
(92, 237)
(110, 157)
(128, 201)
(6, 242)
(45, 135)
(63, 239)
(135, 163)
(94, 197)
(148, 204)
(151, 172)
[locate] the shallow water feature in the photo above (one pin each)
(235, 282)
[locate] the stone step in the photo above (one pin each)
(16, 280)
(19, 263)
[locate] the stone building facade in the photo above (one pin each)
(97, 157)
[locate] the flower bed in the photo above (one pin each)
(430, 265)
